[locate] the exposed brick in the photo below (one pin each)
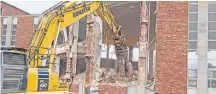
(109, 89)
(74, 88)
(24, 24)
(171, 47)
(9, 10)
(24, 31)
(143, 40)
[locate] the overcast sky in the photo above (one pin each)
(33, 7)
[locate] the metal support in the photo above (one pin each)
(57, 34)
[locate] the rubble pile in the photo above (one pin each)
(79, 78)
(108, 76)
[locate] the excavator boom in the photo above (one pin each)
(42, 45)
(53, 22)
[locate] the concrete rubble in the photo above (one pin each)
(94, 75)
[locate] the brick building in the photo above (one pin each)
(17, 26)
(180, 47)
(176, 47)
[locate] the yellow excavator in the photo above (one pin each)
(40, 77)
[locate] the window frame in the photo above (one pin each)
(12, 31)
(4, 34)
(35, 24)
(195, 58)
(209, 58)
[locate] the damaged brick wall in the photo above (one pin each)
(93, 37)
(171, 47)
(143, 43)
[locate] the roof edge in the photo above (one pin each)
(15, 7)
(54, 6)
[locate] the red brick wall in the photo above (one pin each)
(74, 88)
(171, 47)
(109, 89)
(24, 24)
(9, 10)
(24, 31)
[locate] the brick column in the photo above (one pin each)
(171, 47)
(93, 37)
(142, 48)
(88, 50)
(142, 43)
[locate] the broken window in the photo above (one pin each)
(104, 51)
(112, 54)
(81, 65)
(82, 29)
(107, 56)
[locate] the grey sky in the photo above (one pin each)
(33, 7)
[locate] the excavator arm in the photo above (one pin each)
(55, 21)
